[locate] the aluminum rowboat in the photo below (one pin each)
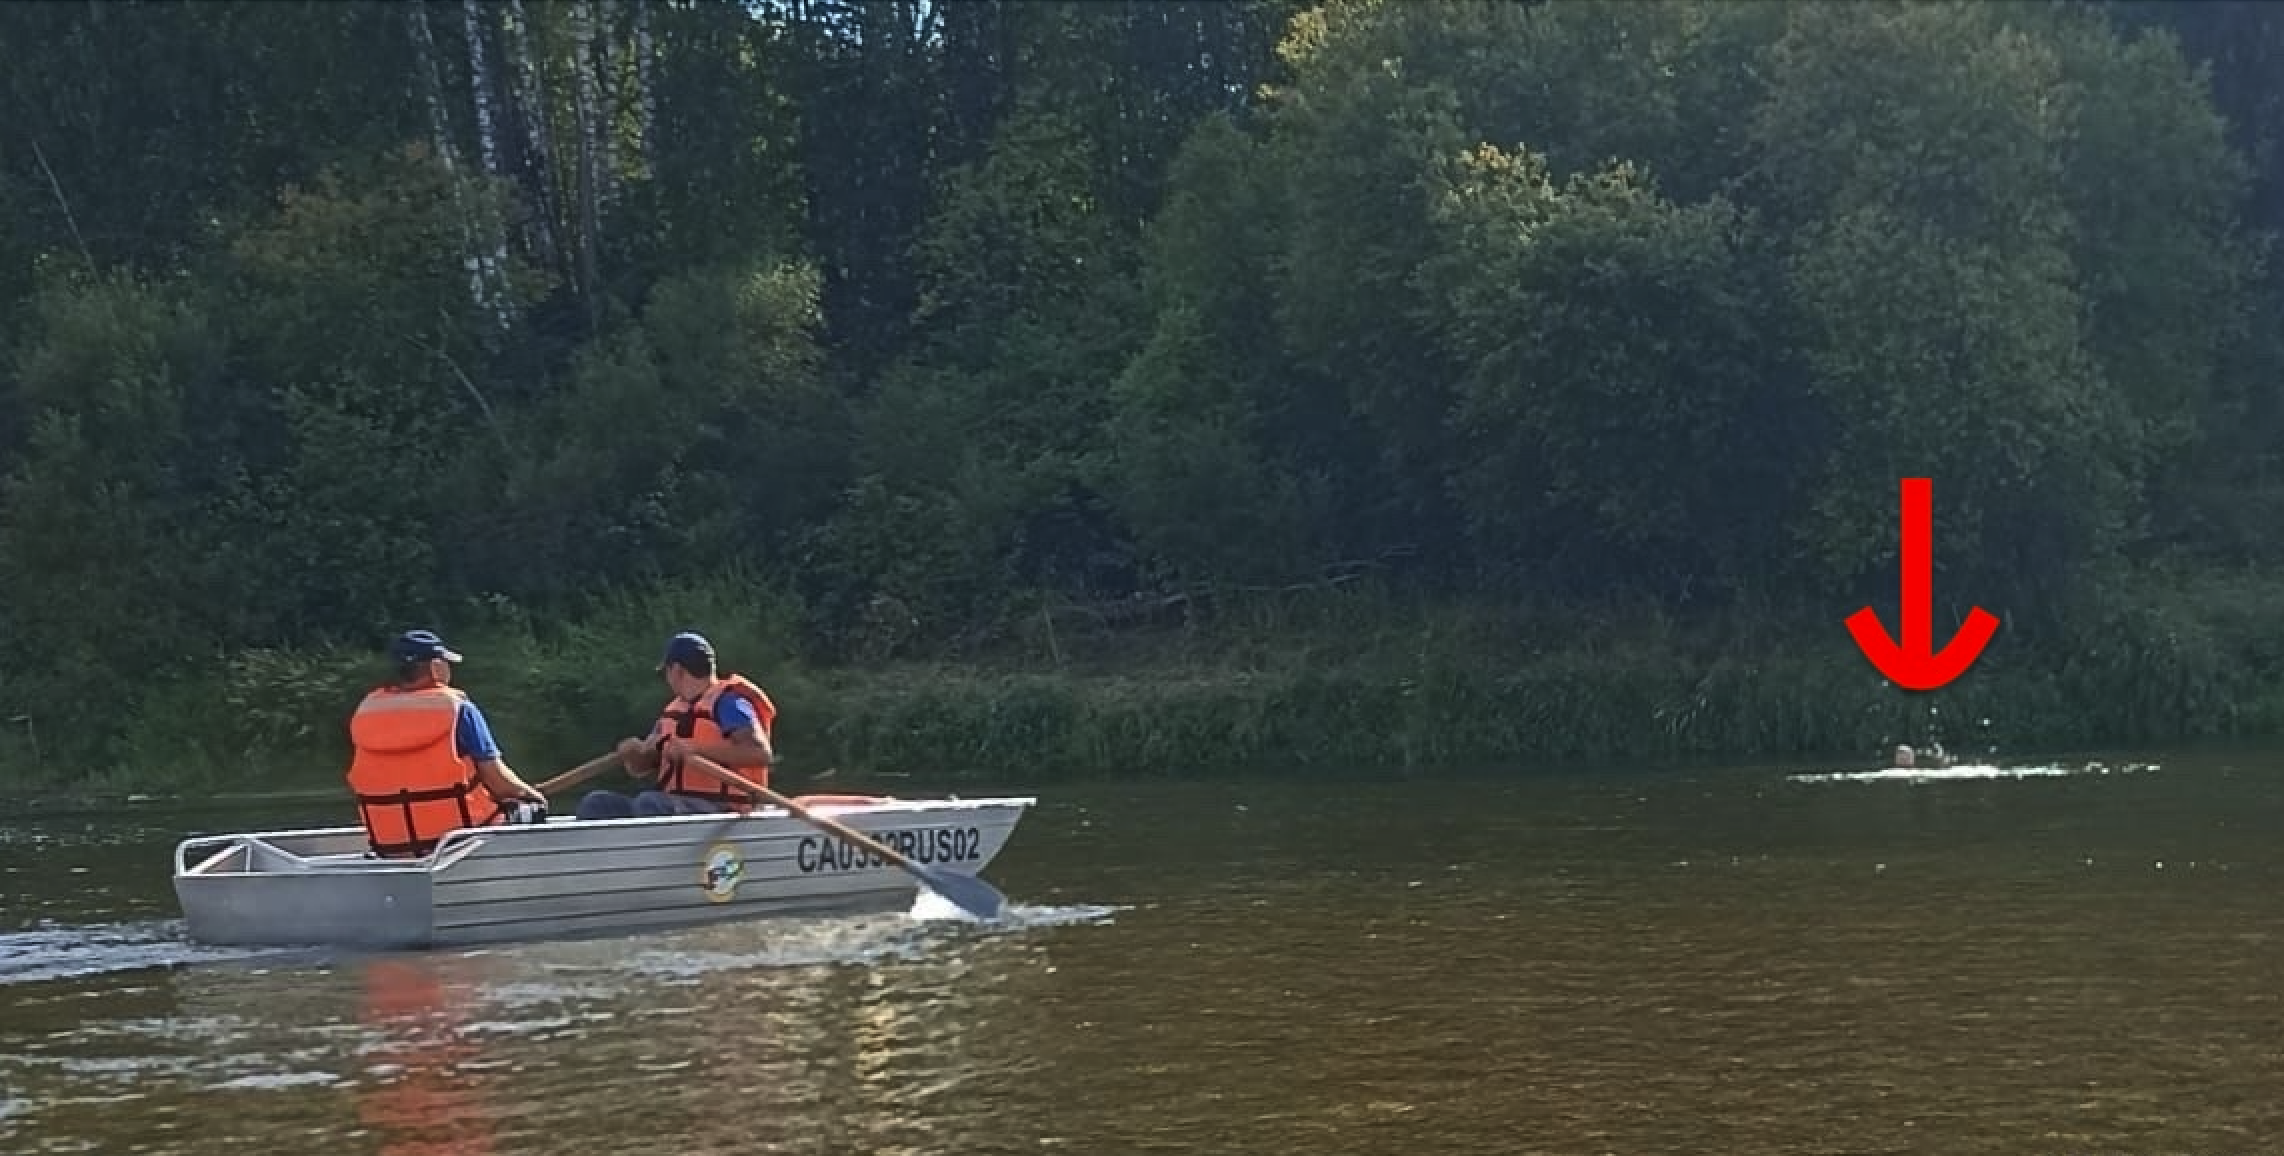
(569, 878)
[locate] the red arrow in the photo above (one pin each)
(1917, 665)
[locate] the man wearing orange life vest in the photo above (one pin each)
(725, 718)
(425, 762)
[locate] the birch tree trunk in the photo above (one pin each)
(539, 162)
(487, 144)
(480, 87)
(610, 58)
(646, 105)
(440, 131)
(586, 102)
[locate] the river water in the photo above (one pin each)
(1733, 961)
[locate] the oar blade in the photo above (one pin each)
(966, 892)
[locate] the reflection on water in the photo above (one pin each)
(1717, 962)
(423, 1089)
(785, 1036)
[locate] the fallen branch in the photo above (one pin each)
(489, 419)
(55, 186)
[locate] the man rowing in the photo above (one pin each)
(724, 718)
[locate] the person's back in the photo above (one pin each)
(424, 762)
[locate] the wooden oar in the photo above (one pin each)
(579, 774)
(969, 893)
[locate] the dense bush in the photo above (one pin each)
(940, 320)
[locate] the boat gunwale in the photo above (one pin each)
(456, 844)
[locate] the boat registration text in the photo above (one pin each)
(924, 845)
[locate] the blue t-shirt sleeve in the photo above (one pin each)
(734, 714)
(473, 735)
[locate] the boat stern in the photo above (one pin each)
(248, 891)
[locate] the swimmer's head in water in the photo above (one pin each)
(1903, 756)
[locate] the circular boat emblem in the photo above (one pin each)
(720, 871)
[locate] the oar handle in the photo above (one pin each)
(579, 774)
(841, 829)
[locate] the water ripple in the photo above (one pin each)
(51, 951)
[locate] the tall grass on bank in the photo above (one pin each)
(1340, 681)
(1353, 683)
(555, 692)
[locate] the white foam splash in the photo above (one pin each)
(929, 907)
(1968, 772)
(519, 1027)
(274, 1081)
(1060, 916)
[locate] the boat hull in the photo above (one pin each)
(573, 878)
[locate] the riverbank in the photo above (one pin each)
(1330, 682)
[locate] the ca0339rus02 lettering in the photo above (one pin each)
(923, 845)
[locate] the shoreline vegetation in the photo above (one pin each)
(1326, 682)
(1063, 389)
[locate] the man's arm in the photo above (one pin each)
(473, 735)
(502, 781)
(742, 744)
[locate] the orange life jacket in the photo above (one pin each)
(412, 786)
(695, 721)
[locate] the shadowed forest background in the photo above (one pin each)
(1056, 388)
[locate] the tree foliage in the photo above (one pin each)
(326, 317)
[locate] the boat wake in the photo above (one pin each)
(929, 907)
(1020, 917)
(55, 951)
(1971, 771)
(910, 938)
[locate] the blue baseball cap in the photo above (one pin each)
(685, 648)
(420, 646)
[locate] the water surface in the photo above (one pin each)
(1738, 961)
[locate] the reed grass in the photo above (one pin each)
(1354, 681)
